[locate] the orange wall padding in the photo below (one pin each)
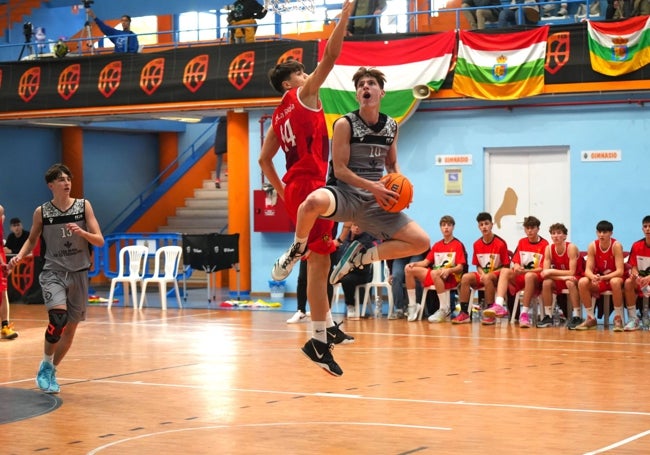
(239, 195)
(73, 157)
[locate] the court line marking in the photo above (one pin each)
(619, 443)
(257, 425)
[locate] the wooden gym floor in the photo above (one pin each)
(208, 381)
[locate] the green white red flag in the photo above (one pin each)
(406, 63)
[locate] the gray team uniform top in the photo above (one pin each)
(368, 148)
(64, 251)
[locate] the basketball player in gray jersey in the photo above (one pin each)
(364, 144)
(68, 226)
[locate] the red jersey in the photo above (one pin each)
(530, 255)
(491, 256)
(604, 261)
(562, 261)
(640, 257)
(302, 133)
(448, 255)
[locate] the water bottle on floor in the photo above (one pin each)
(556, 316)
(379, 303)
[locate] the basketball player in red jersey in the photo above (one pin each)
(603, 272)
(298, 127)
(563, 267)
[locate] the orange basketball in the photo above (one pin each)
(401, 185)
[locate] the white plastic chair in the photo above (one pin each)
(170, 257)
(130, 273)
(423, 302)
(380, 274)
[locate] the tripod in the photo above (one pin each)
(89, 33)
(27, 46)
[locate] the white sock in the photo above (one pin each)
(319, 331)
(48, 358)
(548, 310)
(576, 312)
(525, 309)
(371, 255)
(411, 295)
(499, 301)
(328, 319)
(631, 312)
(445, 301)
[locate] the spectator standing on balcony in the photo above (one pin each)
(124, 40)
(478, 17)
(242, 18)
(366, 25)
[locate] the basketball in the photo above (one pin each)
(400, 184)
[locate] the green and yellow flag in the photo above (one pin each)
(618, 48)
(501, 66)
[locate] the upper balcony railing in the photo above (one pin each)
(425, 21)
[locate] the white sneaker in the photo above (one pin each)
(413, 311)
(352, 313)
(440, 316)
(283, 266)
(298, 316)
(562, 12)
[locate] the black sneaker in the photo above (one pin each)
(319, 353)
(574, 322)
(545, 322)
(335, 335)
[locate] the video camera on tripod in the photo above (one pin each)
(87, 3)
(28, 31)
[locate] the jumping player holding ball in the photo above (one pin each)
(364, 145)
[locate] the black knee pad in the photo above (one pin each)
(58, 320)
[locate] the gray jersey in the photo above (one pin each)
(63, 250)
(369, 146)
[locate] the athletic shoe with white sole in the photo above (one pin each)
(346, 264)
(319, 353)
(298, 316)
(440, 316)
(335, 335)
(283, 266)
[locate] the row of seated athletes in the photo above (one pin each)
(539, 271)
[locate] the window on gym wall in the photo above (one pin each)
(393, 19)
(197, 26)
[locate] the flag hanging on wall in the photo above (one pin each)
(502, 66)
(617, 48)
(407, 63)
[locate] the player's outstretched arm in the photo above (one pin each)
(331, 53)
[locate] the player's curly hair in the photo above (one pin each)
(368, 71)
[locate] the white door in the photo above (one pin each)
(524, 181)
